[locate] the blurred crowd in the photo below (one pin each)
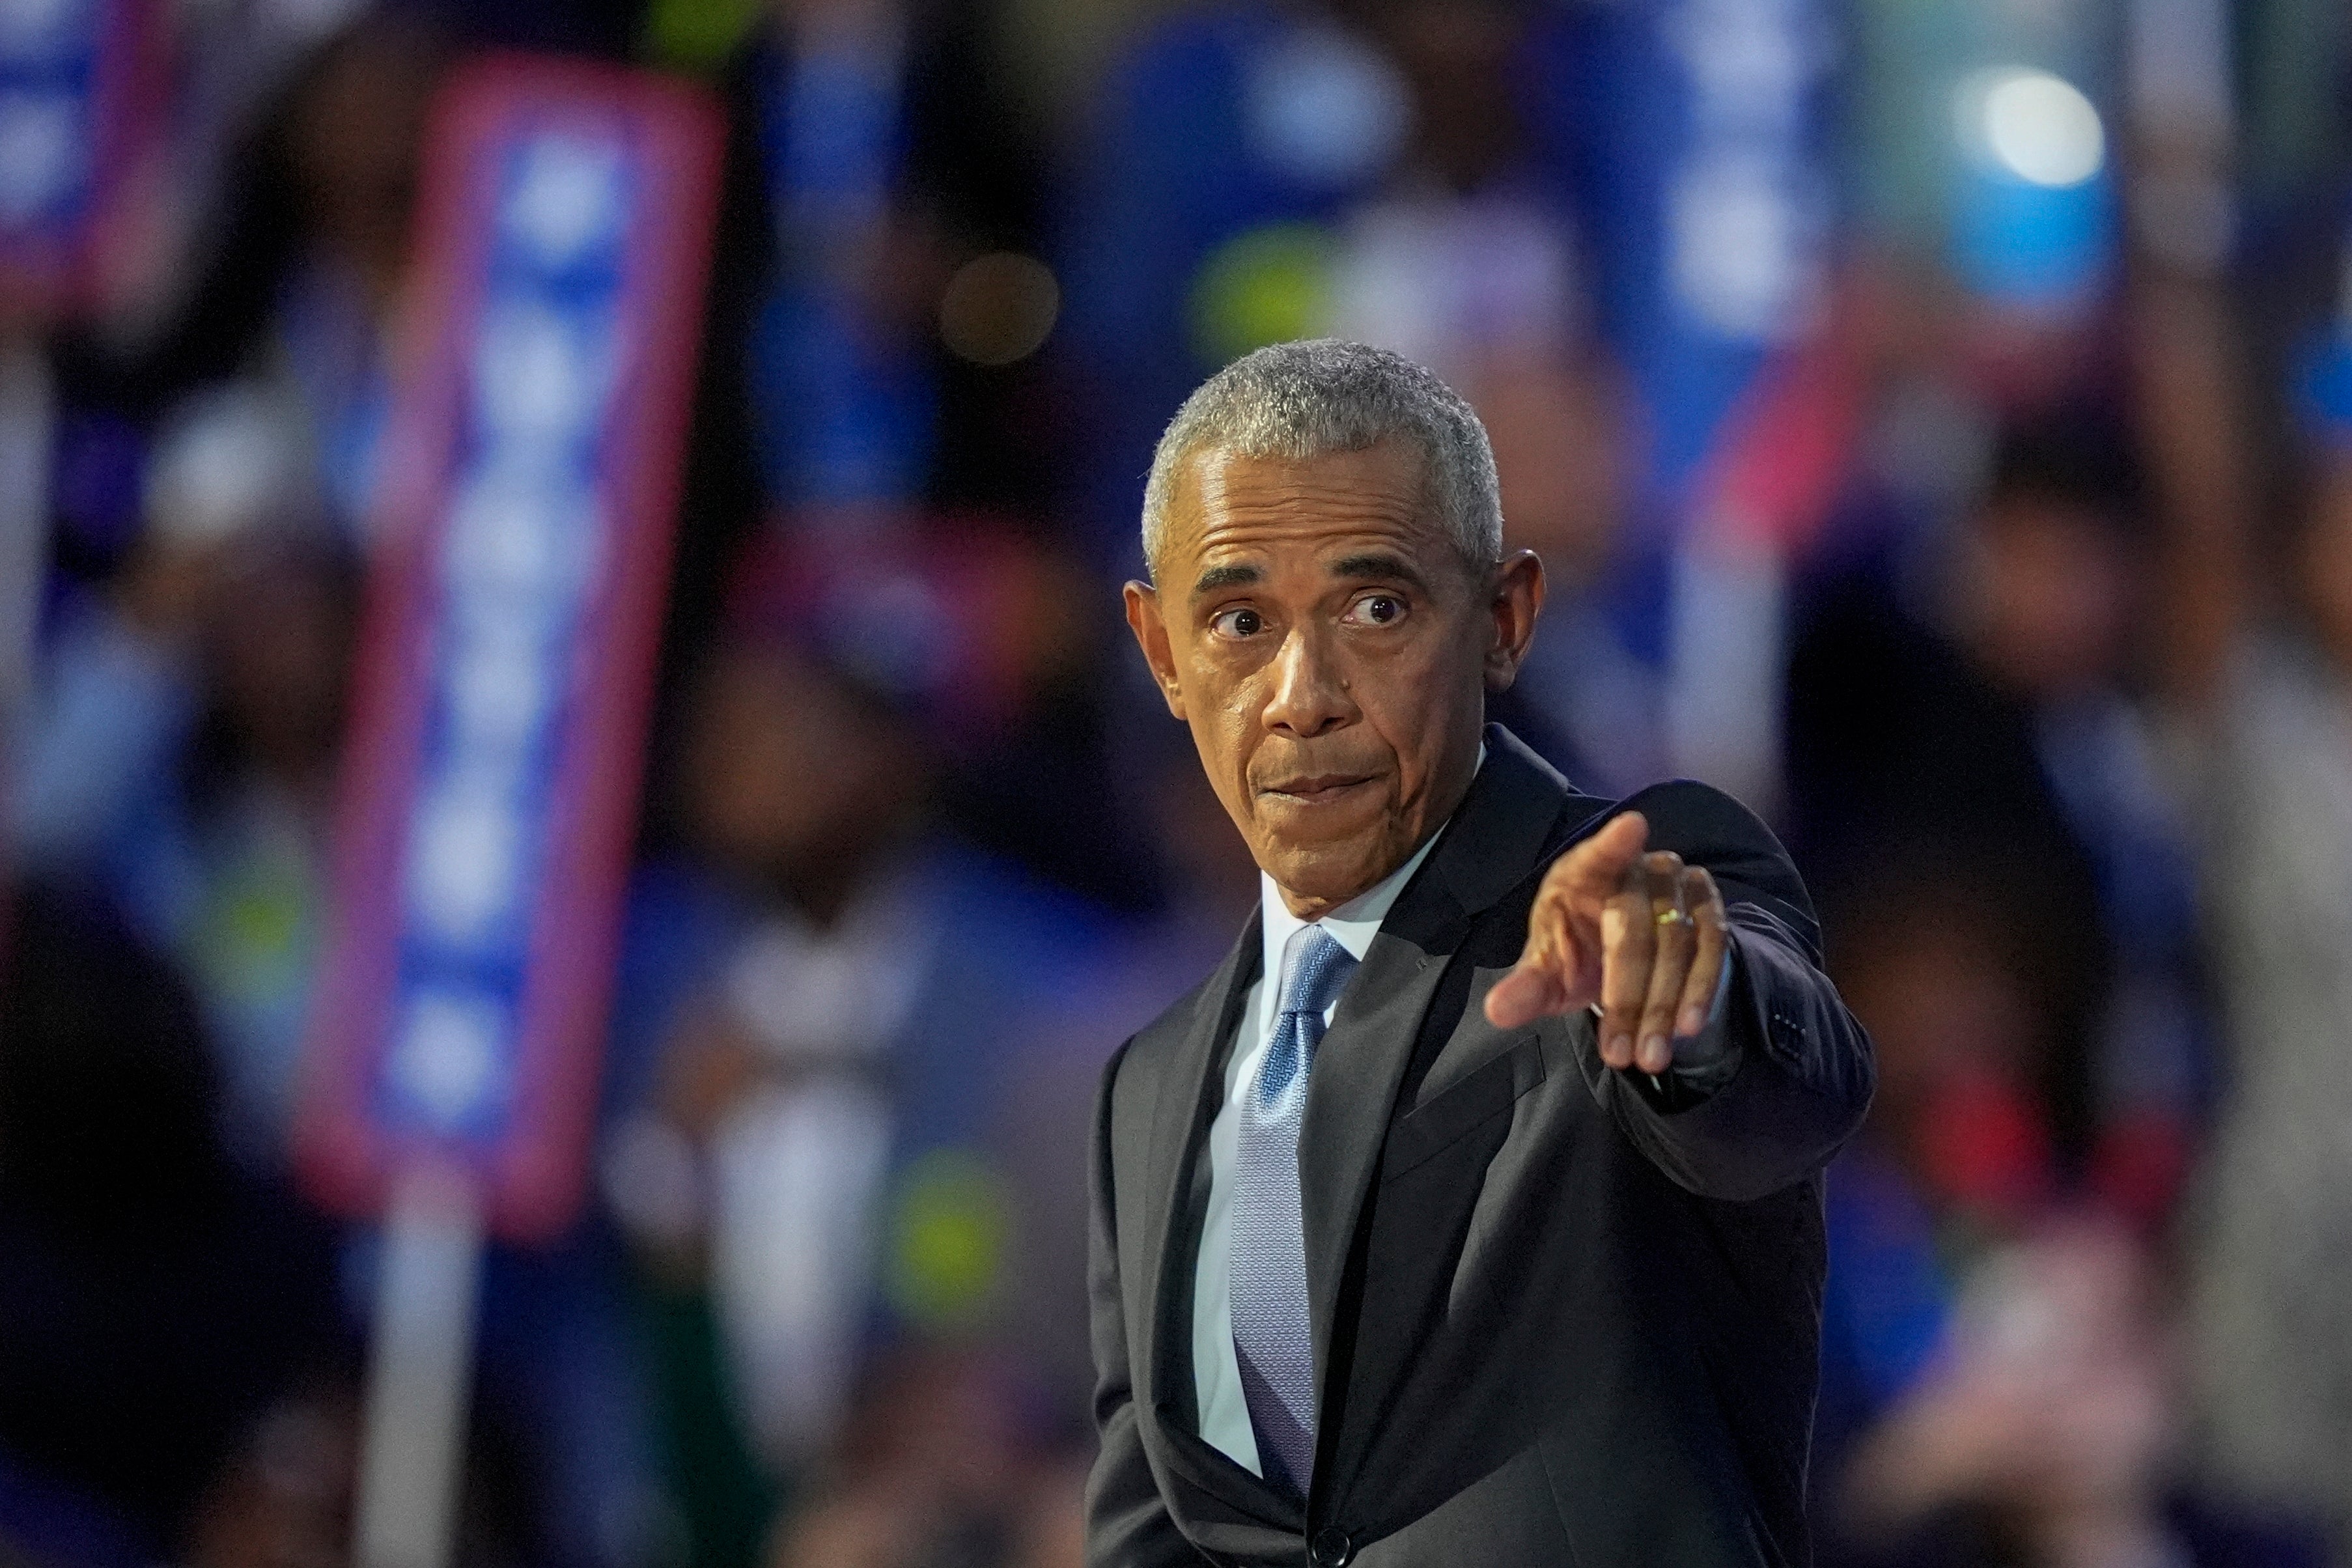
(1962, 469)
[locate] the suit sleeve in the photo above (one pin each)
(1127, 1525)
(1803, 1073)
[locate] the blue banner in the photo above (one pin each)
(530, 487)
(1697, 132)
(76, 108)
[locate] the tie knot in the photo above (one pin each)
(1315, 968)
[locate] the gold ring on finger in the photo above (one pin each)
(1675, 917)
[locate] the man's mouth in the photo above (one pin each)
(1320, 789)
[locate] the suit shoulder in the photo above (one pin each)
(1692, 806)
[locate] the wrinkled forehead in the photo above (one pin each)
(1224, 503)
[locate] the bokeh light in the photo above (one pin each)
(998, 309)
(2035, 125)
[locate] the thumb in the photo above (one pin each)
(1527, 993)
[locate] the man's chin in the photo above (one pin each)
(1328, 871)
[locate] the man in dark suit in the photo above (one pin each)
(1470, 1212)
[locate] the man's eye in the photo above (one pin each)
(1377, 609)
(1238, 623)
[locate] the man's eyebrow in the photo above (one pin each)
(1218, 577)
(1378, 565)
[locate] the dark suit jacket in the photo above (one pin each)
(1560, 1314)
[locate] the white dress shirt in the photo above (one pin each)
(1216, 1371)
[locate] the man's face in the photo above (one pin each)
(1315, 625)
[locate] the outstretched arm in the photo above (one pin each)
(1632, 931)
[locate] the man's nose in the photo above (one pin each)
(1311, 694)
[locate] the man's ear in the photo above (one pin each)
(1516, 601)
(1151, 635)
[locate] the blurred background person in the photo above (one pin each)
(292, 288)
(2043, 1431)
(2264, 725)
(184, 762)
(2001, 1363)
(836, 1005)
(155, 1301)
(1998, 726)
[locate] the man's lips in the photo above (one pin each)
(1318, 788)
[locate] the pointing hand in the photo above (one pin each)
(1638, 934)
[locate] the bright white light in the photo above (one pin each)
(499, 688)
(568, 196)
(1739, 240)
(519, 540)
(539, 373)
(1327, 108)
(464, 852)
(447, 1053)
(2038, 127)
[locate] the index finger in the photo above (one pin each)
(1597, 866)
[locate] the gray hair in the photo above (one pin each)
(1315, 398)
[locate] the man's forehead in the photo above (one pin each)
(1225, 502)
(1391, 466)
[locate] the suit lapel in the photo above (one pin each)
(1492, 843)
(1358, 1069)
(1187, 1103)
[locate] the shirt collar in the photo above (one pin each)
(1354, 923)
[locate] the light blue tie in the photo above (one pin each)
(1269, 1260)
